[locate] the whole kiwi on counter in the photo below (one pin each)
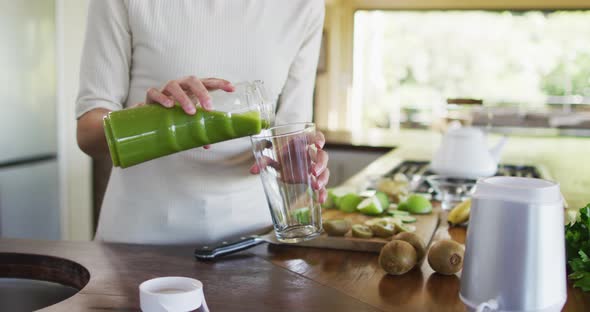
(446, 257)
(415, 241)
(336, 227)
(397, 257)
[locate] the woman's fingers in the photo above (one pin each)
(319, 139)
(322, 195)
(322, 180)
(218, 84)
(321, 162)
(155, 96)
(174, 89)
(186, 88)
(199, 90)
(263, 163)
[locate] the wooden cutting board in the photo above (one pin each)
(425, 227)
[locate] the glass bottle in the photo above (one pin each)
(147, 132)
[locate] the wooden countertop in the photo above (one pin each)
(265, 278)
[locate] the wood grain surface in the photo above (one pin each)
(265, 278)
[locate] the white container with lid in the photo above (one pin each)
(515, 247)
(172, 294)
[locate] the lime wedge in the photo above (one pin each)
(335, 195)
(370, 206)
(349, 202)
(383, 199)
(417, 204)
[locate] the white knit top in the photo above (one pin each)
(197, 196)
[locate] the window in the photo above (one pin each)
(407, 64)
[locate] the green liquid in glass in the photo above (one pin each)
(144, 133)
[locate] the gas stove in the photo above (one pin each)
(416, 171)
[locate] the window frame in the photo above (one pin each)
(333, 103)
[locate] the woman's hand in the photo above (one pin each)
(316, 159)
(185, 91)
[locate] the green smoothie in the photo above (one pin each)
(147, 132)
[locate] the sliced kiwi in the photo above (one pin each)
(397, 257)
(361, 231)
(383, 229)
(446, 257)
(400, 227)
(383, 220)
(415, 241)
(336, 227)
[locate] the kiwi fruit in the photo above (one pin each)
(337, 227)
(397, 257)
(361, 231)
(446, 257)
(383, 230)
(415, 241)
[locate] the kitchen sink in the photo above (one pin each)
(31, 282)
(17, 294)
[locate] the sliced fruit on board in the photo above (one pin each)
(370, 206)
(407, 219)
(361, 231)
(396, 213)
(383, 199)
(417, 204)
(334, 196)
(349, 202)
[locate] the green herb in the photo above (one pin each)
(577, 245)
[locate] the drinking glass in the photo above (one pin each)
(450, 191)
(284, 155)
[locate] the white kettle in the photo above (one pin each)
(463, 153)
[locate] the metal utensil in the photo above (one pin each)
(226, 248)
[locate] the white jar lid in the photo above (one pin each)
(526, 190)
(168, 294)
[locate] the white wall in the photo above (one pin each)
(75, 166)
